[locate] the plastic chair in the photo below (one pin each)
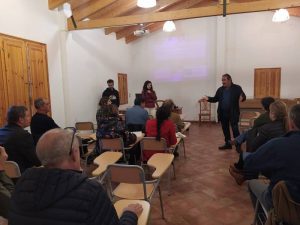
(113, 144)
(131, 182)
(143, 218)
(12, 169)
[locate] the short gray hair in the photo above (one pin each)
(38, 103)
(54, 146)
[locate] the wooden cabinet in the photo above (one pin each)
(123, 88)
(23, 73)
(267, 82)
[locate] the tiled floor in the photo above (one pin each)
(203, 192)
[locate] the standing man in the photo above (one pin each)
(112, 93)
(17, 141)
(228, 96)
(41, 122)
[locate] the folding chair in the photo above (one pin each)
(143, 218)
(260, 214)
(131, 183)
(113, 144)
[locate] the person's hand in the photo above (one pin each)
(135, 208)
(204, 98)
(241, 98)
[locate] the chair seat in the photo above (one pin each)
(133, 191)
(143, 218)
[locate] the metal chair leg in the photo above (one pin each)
(161, 203)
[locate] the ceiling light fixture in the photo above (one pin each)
(146, 3)
(281, 15)
(67, 10)
(169, 26)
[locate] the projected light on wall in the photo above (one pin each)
(172, 51)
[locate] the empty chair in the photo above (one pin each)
(85, 127)
(113, 144)
(131, 182)
(150, 146)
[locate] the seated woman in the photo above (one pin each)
(258, 122)
(6, 186)
(277, 128)
(161, 127)
(174, 117)
(108, 123)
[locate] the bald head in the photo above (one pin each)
(53, 149)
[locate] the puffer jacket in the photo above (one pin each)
(62, 197)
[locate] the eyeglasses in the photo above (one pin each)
(73, 129)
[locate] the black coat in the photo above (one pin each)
(41, 123)
(113, 94)
(19, 146)
(235, 93)
(62, 197)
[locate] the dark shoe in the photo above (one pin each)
(238, 148)
(239, 178)
(234, 169)
(225, 147)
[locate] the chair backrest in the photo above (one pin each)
(150, 146)
(85, 126)
(286, 210)
(12, 169)
(130, 174)
(112, 144)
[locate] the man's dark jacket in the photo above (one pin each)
(115, 99)
(40, 124)
(19, 146)
(62, 197)
(235, 93)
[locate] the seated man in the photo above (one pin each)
(136, 117)
(59, 193)
(6, 186)
(17, 141)
(278, 160)
(41, 122)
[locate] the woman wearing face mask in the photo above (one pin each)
(149, 95)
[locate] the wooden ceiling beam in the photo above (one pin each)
(181, 4)
(162, 4)
(86, 10)
(53, 4)
(233, 8)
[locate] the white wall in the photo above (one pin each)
(92, 59)
(184, 65)
(187, 64)
(32, 20)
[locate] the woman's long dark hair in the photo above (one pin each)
(145, 85)
(163, 113)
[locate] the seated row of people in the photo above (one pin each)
(276, 157)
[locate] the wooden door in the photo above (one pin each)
(3, 102)
(38, 71)
(16, 82)
(267, 82)
(123, 88)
